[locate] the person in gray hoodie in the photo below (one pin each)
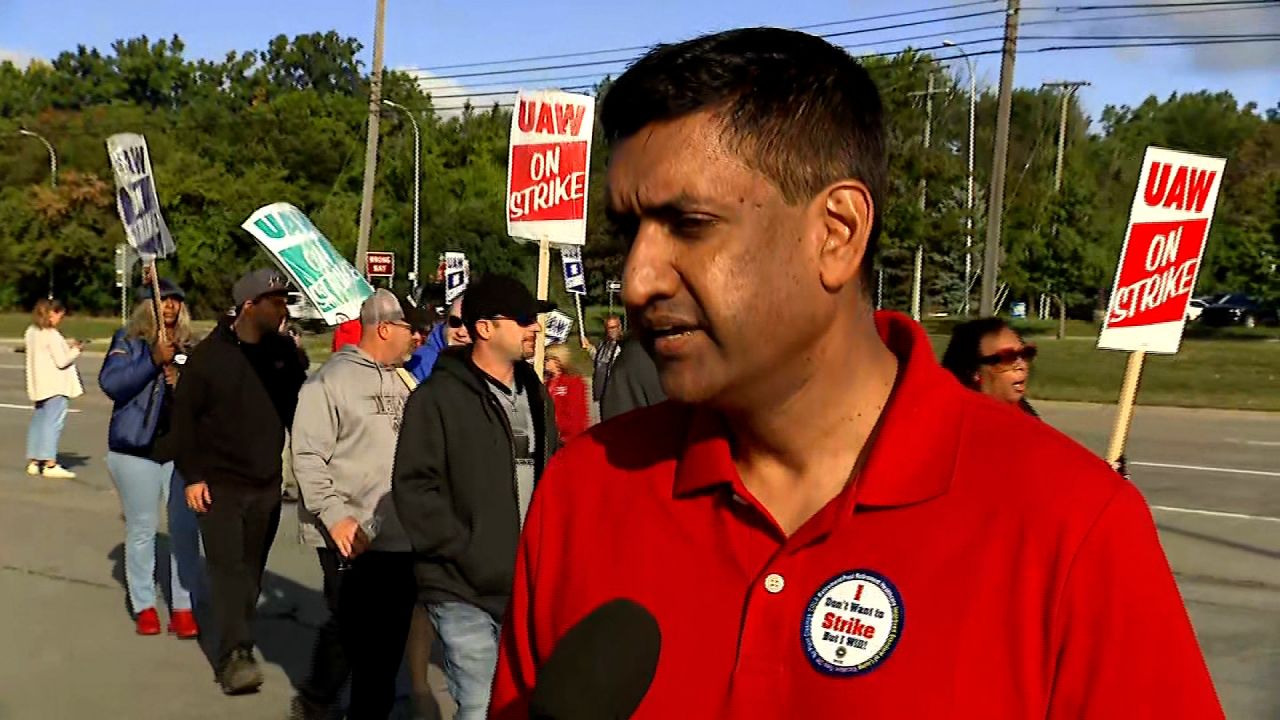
(344, 443)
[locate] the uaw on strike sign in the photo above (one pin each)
(547, 167)
(1160, 260)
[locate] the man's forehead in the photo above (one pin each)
(682, 161)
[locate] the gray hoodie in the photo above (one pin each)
(344, 447)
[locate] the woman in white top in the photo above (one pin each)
(52, 380)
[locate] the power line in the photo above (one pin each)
(1021, 51)
(1215, 3)
(1246, 36)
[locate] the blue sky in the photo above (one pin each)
(431, 33)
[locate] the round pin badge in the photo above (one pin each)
(852, 623)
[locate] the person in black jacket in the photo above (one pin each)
(474, 439)
(237, 398)
(632, 382)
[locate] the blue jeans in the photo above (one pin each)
(470, 639)
(45, 428)
(144, 486)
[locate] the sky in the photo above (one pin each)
(425, 35)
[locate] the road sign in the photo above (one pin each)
(613, 286)
(379, 264)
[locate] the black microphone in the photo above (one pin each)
(601, 668)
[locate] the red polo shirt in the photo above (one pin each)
(981, 565)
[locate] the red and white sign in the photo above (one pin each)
(547, 167)
(1163, 247)
(379, 264)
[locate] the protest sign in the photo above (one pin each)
(1159, 262)
(575, 277)
(558, 326)
(457, 274)
(1164, 243)
(136, 198)
(547, 167)
(306, 255)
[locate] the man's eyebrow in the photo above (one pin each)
(673, 207)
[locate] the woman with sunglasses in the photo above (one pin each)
(988, 356)
(445, 334)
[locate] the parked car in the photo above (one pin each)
(302, 312)
(1196, 307)
(1238, 309)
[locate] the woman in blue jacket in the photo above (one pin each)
(140, 375)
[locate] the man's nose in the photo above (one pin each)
(649, 273)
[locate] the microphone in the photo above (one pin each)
(602, 667)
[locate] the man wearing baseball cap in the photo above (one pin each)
(458, 491)
(237, 398)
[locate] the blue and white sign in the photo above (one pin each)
(136, 198)
(558, 327)
(575, 276)
(457, 274)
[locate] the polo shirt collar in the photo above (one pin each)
(913, 452)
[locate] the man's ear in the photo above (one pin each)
(845, 212)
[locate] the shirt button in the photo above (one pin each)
(774, 583)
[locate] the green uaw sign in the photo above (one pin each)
(331, 283)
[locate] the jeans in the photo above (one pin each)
(470, 639)
(238, 531)
(46, 427)
(144, 485)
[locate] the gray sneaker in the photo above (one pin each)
(240, 674)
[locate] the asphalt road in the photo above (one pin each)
(1212, 478)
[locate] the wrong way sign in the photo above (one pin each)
(379, 264)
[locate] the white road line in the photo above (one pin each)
(8, 406)
(1202, 468)
(1259, 443)
(1215, 513)
(13, 367)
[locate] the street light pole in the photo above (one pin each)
(968, 220)
(53, 182)
(417, 190)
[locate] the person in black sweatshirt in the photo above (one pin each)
(237, 398)
(474, 439)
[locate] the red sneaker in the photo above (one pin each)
(183, 624)
(148, 622)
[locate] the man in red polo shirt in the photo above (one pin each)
(824, 523)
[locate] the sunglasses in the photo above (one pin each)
(1009, 357)
(521, 320)
(455, 322)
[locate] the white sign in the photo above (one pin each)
(558, 327)
(457, 274)
(329, 281)
(136, 198)
(613, 286)
(548, 166)
(1163, 247)
(575, 276)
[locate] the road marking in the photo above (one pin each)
(1202, 468)
(1260, 443)
(1215, 513)
(13, 367)
(8, 406)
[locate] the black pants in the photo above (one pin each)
(238, 531)
(370, 607)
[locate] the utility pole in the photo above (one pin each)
(1067, 89)
(1000, 159)
(371, 143)
(924, 193)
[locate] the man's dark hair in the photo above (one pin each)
(961, 356)
(795, 108)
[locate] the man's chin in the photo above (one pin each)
(687, 385)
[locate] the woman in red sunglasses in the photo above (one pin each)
(988, 356)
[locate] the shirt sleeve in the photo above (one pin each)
(188, 406)
(313, 441)
(1124, 644)
(419, 483)
(64, 356)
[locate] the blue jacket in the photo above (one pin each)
(423, 360)
(137, 387)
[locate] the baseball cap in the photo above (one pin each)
(256, 283)
(381, 306)
(168, 288)
(494, 296)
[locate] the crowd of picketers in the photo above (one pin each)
(208, 429)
